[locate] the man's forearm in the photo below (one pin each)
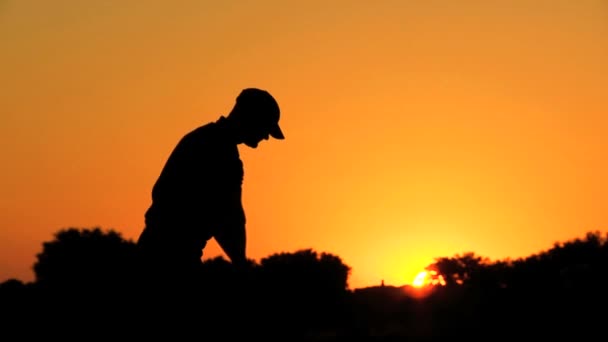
(233, 242)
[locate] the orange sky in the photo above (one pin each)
(415, 129)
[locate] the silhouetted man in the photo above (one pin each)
(198, 193)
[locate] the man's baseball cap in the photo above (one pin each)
(261, 103)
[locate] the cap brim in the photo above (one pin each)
(276, 132)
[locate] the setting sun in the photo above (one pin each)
(420, 279)
(428, 278)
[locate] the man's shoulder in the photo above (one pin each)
(205, 129)
(209, 132)
(212, 136)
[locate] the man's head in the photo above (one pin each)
(257, 115)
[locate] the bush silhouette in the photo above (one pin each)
(85, 259)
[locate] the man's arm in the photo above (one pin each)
(232, 238)
(227, 184)
(231, 233)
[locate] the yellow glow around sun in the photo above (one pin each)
(420, 279)
(425, 278)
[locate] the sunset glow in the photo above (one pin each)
(420, 279)
(414, 129)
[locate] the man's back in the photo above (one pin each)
(198, 190)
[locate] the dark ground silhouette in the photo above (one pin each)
(87, 285)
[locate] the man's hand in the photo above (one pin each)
(232, 240)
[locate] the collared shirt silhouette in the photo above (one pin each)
(198, 193)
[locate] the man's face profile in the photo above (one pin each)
(254, 134)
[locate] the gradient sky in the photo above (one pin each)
(414, 129)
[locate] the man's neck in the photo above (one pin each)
(231, 130)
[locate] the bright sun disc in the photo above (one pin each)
(420, 279)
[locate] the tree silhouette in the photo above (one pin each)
(460, 269)
(84, 279)
(85, 258)
(306, 270)
(304, 290)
